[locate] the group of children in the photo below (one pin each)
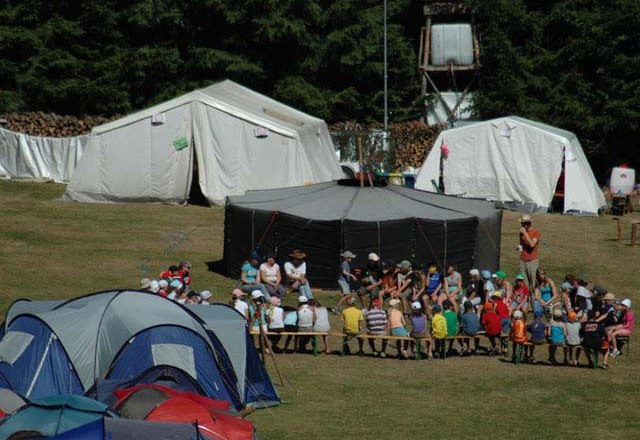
(436, 308)
(175, 283)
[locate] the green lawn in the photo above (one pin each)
(54, 249)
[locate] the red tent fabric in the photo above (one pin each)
(215, 425)
(186, 407)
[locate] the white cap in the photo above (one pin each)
(163, 283)
(374, 257)
(302, 299)
(416, 305)
(517, 314)
(256, 294)
(626, 302)
(154, 286)
(474, 272)
(205, 294)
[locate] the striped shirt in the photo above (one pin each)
(376, 321)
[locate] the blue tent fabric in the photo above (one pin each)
(44, 355)
(124, 429)
(137, 357)
(259, 389)
(54, 415)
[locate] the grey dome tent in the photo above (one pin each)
(66, 348)
(395, 222)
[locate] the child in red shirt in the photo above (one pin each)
(492, 326)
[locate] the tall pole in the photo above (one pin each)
(386, 112)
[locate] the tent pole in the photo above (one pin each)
(360, 160)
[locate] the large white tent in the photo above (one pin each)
(516, 162)
(239, 139)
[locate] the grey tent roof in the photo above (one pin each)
(93, 328)
(230, 327)
(333, 201)
(10, 401)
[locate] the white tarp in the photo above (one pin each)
(240, 139)
(33, 157)
(516, 162)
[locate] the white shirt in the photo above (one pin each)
(241, 307)
(271, 273)
(276, 316)
(290, 269)
(305, 316)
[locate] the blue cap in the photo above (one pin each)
(176, 283)
(538, 314)
(437, 308)
(486, 274)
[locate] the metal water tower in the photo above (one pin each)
(449, 61)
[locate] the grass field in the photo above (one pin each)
(54, 249)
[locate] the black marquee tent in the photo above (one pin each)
(326, 219)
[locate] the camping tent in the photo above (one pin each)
(516, 162)
(232, 331)
(54, 415)
(125, 429)
(240, 140)
(124, 335)
(163, 404)
(395, 222)
(36, 157)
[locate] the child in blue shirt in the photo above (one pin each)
(538, 330)
(469, 326)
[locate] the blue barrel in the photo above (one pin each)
(409, 180)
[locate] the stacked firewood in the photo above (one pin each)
(412, 142)
(50, 124)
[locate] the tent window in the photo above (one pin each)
(13, 345)
(176, 355)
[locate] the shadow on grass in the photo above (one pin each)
(216, 267)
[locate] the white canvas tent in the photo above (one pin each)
(37, 157)
(240, 139)
(516, 162)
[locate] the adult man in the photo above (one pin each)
(296, 271)
(372, 280)
(529, 241)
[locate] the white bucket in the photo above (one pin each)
(622, 181)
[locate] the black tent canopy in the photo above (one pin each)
(393, 221)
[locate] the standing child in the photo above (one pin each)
(439, 330)
(573, 338)
(518, 334)
(557, 333)
(345, 278)
(492, 327)
(594, 340)
(469, 326)
(397, 327)
(538, 330)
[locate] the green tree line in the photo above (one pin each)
(571, 63)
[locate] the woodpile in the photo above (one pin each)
(50, 124)
(412, 142)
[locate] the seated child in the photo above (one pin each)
(538, 330)
(351, 318)
(377, 324)
(438, 329)
(557, 334)
(418, 328)
(397, 327)
(450, 313)
(492, 326)
(624, 329)
(469, 326)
